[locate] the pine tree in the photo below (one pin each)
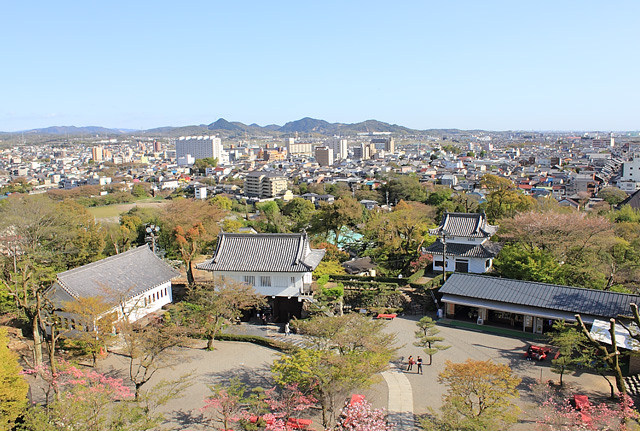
(13, 387)
(428, 337)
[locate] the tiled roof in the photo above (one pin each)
(542, 295)
(485, 250)
(126, 274)
(265, 252)
(473, 225)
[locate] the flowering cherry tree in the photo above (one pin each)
(360, 416)
(557, 413)
(84, 399)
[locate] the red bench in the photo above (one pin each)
(300, 424)
(386, 316)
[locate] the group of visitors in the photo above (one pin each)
(417, 362)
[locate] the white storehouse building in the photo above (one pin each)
(136, 283)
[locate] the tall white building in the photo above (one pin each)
(339, 147)
(200, 147)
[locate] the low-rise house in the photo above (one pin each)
(135, 283)
(278, 266)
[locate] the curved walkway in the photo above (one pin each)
(400, 409)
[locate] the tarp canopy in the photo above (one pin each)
(600, 332)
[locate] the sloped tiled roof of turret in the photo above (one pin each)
(472, 225)
(278, 252)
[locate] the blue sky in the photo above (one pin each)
(512, 65)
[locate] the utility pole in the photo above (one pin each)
(444, 255)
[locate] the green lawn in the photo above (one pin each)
(112, 212)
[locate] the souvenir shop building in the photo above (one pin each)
(527, 306)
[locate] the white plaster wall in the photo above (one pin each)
(281, 284)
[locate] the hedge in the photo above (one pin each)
(390, 280)
(262, 341)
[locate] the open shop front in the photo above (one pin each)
(516, 317)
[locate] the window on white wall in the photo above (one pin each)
(265, 280)
(250, 280)
(293, 280)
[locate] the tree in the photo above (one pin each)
(361, 417)
(612, 195)
(428, 337)
(192, 226)
(504, 199)
(150, 348)
(226, 402)
(123, 235)
(515, 261)
(96, 321)
(403, 188)
(208, 308)
(92, 401)
(13, 387)
(300, 212)
(346, 353)
(394, 238)
(42, 237)
(557, 413)
(345, 212)
(271, 219)
(222, 202)
(479, 397)
(286, 402)
(608, 353)
(139, 191)
(571, 345)
(201, 165)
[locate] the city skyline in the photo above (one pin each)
(423, 65)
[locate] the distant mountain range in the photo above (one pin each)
(305, 125)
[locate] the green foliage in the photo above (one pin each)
(572, 348)
(271, 219)
(395, 238)
(329, 267)
(403, 188)
(518, 263)
(222, 202)
(345, 212)
(428, 338)
(626, 214)
(612, 195)
(139, 191)
(209, 308)
(504, 199)
(347, 352)
(13, 387)
(321, 281)
(439, 196)
(479, 397)
(201, 165)
(299, 212)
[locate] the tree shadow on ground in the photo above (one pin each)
(253, 378)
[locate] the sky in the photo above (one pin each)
(492, 65)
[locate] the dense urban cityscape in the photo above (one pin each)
(178, 252)
(322, 216)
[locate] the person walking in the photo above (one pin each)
(419, 362)
(287, 329)
(410, 366)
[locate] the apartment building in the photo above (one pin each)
(264, 185)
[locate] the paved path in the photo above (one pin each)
(400, 408)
